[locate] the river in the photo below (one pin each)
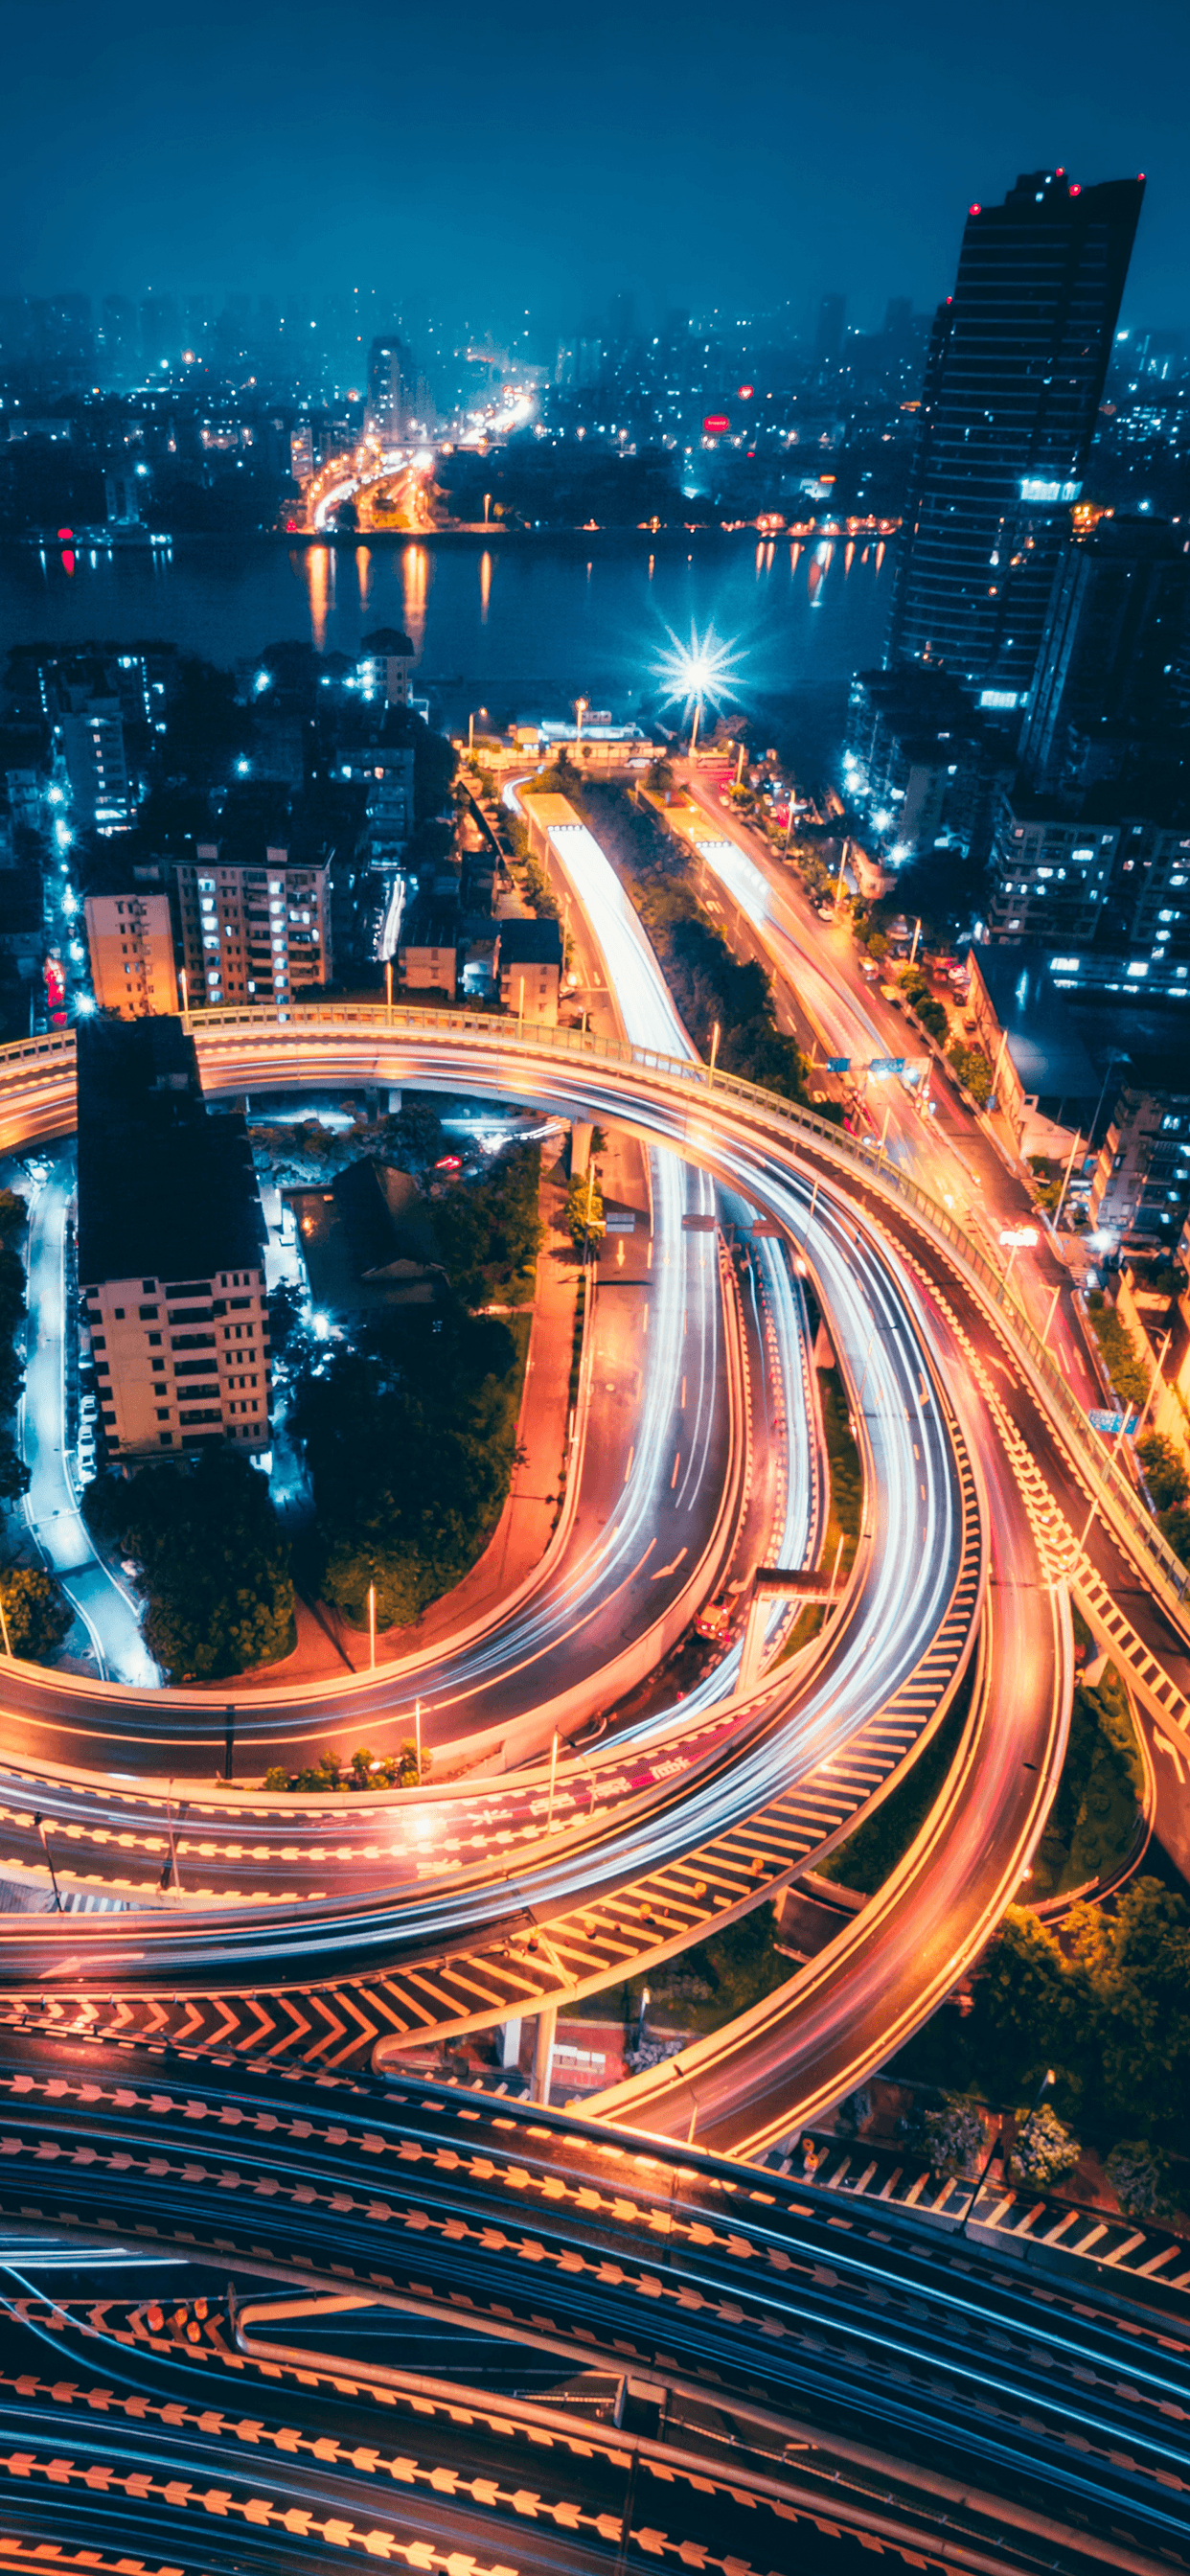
(520, 626)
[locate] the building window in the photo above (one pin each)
(166, 1439)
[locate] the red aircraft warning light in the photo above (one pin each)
(716, 423)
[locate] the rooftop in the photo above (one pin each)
(165, 1190)
(1048, 1055)
(530, 943)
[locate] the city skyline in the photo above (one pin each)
(779, 182)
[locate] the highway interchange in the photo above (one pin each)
(345, 1929)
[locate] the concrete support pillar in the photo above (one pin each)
(510, 2042)
(750, 1652)
(543, 2052)
(394, 1099)
(580, 1147)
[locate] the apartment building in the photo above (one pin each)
(527, 967)
(131, 940)
(171, 1244)
(253, 933)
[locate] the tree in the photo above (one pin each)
(285, 1314)
(973, 1070)
(14, 1214)
(415, 1135)
(1140, 2180)
(216, 1561)
(15, 1477)
(489, 1232)
(951, 2135)
(584, 1214)
(410, 1440)
(1165, 1473)
(1045, 2149)
(1174, 1526)
(38, 1615)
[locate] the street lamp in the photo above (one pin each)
(695, 672)
(581, 706)
(39, 1821)
(977, 2186)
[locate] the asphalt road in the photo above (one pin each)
(1059, 2409)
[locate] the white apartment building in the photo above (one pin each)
(131, 940)
(171, 1252)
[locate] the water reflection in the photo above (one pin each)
(415, 571)
(485, 585)
(363, 570)
(318, 582)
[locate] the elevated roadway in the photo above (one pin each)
(831, 2373)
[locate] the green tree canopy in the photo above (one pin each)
(37, 1613)
(410, 1439)
(489, 1232)
(216, 1561)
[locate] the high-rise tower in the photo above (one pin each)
(390, 388)
(1013, 382)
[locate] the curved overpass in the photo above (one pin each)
(719, 1839)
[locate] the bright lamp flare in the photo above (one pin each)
(702, 671)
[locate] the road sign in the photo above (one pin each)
(764, 1225)
(838, 1064)
(887, 1064)
(698, 1224)
(620, 1224)
(1108, 1423)
(1021, 1236)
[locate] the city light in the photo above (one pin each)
(702, 672)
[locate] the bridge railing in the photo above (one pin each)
(784, 1118)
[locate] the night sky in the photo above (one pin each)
(487, 159)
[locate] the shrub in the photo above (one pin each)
(1165, 1473)
(973, 1070)
(36, 1611)
(1045, 2148)
(1174, 1526)
(1140, 2180)
(950, 2134)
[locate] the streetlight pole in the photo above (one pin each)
(694, 727)
(417, 1736)
(1078, 1138)
(371, 1627)
(39, 1821)
(173, 1851)
(4, 1630)
(714, 1054)
(1049, 1321)
(916, 937)
(1154, 1382)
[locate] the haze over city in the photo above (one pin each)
(552, 162)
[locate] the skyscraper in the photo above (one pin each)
(390, 388)
(1115, 649)
(1013, 382)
